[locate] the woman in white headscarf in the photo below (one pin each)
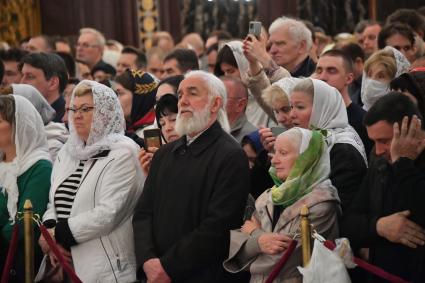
(95, 185)
(232, 62)
(57, 134)
(25, 170)
(301, 175)
(276, 97)
(317, 105)
(379, 70)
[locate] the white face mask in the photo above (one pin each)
(372, 90)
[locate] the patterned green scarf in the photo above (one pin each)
(304, 175)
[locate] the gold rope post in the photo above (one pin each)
(29, 242)
(305, 235)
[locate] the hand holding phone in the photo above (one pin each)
(255, 29)
(267, 138)
(277, 130)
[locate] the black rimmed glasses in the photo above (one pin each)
(82, 110)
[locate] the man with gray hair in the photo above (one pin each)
(195, 192)
(237, 101)
(290, 44)
(90, 46)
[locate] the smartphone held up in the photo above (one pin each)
(152, 138)
(255, 29)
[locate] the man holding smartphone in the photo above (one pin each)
(195, 192)
(290, 43)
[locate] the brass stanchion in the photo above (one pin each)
(29, 242)
(305, 235)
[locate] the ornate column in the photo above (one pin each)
(19, 19)
(148, 21)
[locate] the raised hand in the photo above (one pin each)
(408, 141)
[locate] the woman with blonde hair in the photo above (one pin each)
(95, 185)
(381, 67)
(276, 97)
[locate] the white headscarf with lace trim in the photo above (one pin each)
(31, 146)
(329, 113)
(372, 90)
(107, 128)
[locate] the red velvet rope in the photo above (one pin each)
(369, 267)
(68, 269)
(10, 254)
(282, 261)
(418, 69)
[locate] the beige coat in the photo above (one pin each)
(244, 253)
(256, 84)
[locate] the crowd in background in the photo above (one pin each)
(191, 161)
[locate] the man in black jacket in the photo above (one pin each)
(195, 191)
(336, 69)
(388, 214)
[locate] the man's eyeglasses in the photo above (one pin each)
(81, 110)
(85, 45)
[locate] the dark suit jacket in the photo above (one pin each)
(192, 197)
(388, 189)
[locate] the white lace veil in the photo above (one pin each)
(37, 99)
(403, 65)
(31, 146)
(107, 128)
(369, 97)
(329, 112)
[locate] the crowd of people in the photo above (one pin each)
(249, 131)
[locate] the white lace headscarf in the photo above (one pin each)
(372, 90)
(329, 113)
(107, 128)
(31, 146)
(241, 61)
(37, 99)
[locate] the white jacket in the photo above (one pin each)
(101, 216)
(57, 135)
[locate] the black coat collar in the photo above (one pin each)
(201, 143)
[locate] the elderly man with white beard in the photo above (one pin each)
(195, 191)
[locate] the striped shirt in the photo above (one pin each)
(65, 194)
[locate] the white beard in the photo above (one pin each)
(195, 124)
